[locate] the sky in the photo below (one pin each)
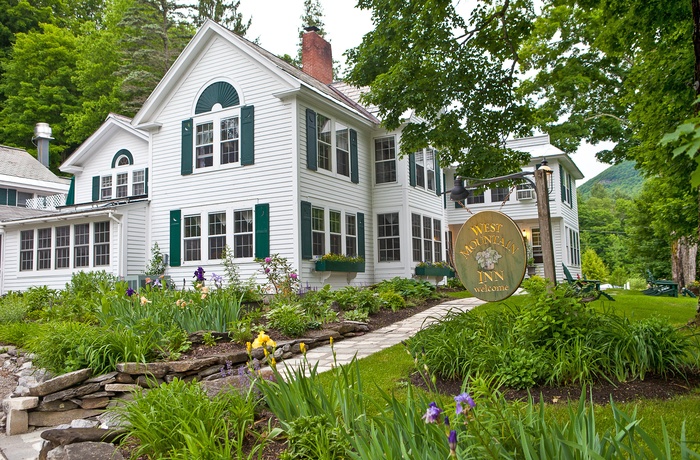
(276, 25)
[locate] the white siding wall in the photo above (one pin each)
(336, 192)
(99, 163)
(138, 254)
(269, 180)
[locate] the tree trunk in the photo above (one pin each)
(683, 259)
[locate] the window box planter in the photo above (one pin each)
(435, 271)
(338, 266)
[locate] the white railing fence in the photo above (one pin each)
(48, 203)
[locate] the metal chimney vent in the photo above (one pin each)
(42, 134)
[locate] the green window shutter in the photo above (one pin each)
(11, 197)
(412, 169)
(145, 181)
(354, 162)
(306, 241)
(311, 145)
(444, 195)
(561, 181)
(247, 135)
(361, 235)
(3, 196)
(262, 230)
(70, 199)
(220, 92)
(186, 149)
(438, 185)
(175, 237)
(95, 188)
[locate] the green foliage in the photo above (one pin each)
(354, 298)
(356, 315)
(619, 179)
(13, 308)
(179, 421)
(289, 319)
(408, 288)
(318, 305)
(19, 333)
(618, 277)
(156, 266)
(392, 300)
(593, 267)
(314, 438)
(637, 283)
(224, 12)
(282, 279)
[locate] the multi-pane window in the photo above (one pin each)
(81, 245)
(566, 187)
(437, 240)
(572, 247)
(26, 250)
(229, 140)
(43, 249)
(193, 235)
(351, 235)
(22, 198)
(474, 198)
(420, 169)
(318, 232)
(106, 188)
(342, 149)
(336, 232)
(499, 194)
(123, 160)
(416, 242)
(204, 145)
(122, 185)
(243, 233)
(139, 182)
(323, 128)
(101, 243)
(427, 239)
(430, 168)
(63, 246)
(537, 246)
(385, 160)
(217, 234)
(388, 237)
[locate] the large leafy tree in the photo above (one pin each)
(225, 12)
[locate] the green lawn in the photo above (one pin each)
(389, 369)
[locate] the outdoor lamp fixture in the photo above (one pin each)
(458, 193)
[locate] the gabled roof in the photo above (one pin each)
(112, 123)
(286, 72)
(9, 213)
(19, 163)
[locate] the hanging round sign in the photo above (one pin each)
(490, 256)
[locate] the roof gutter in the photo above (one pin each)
(59, 217)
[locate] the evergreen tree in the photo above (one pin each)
(593, 267)
(312, 17)
(225, 13)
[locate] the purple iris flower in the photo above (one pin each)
(452, 441)
(199, 274)
(447, 420)
(433, 413)
(217, 279)
(156, 283)
(464, 403)
(130, 292)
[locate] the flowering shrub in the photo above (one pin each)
(282, 280)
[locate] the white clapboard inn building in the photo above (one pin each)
(237, 148)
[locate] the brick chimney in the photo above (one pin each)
(316, 56)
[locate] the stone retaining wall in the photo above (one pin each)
(79, 395)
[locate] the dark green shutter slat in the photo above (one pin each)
(561, 181)
(311, 145)
(444, 195)
(438, 185)
(175, 237)
(247, 135)
(262, 230)
(186, 149)
(95, 188)
(361, 235)
(354, 161)
(220, 92)
(3, 196)
(412, 169)
(145, 183)
(11, 197)
(70, 199)
(306, 243)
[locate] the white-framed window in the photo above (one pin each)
(385, 160)
(566, 186)
(243, 233)
(22, 198)
(217, 138)
(499, 194)
(43, 251)
(425, 168)
(342, 149)
(101, 243)
(26, 250)
(106, 188)
(437, 240)
(217, 234)
(525, 192)
(138, 182)
(122, 185)
(573, 247)
(318, 231)
(426, 238)
(388, 237)
(123, 160)
(475, 198)
(537, 246)
(323, 139)
(81, 245)
(416, 240)
(351, 235)
(420, 169)
(336, 232)
(193, 238)
(62, 245)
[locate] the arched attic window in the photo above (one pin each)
(122, 158)
(217, 93)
